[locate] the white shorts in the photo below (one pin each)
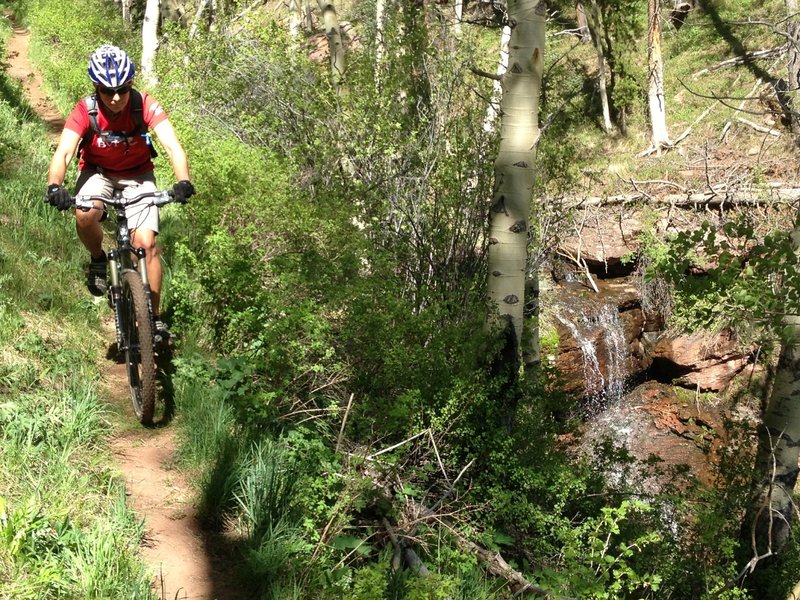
(140, 216)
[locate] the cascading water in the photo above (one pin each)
(600, 336)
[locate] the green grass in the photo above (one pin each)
(65, 531)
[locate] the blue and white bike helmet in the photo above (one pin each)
(110, 67)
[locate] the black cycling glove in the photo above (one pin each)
(183, 190)
(58, 196)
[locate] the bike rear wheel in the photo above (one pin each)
(137, 337)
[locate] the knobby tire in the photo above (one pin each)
(138, 339)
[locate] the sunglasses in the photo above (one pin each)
(121, 90)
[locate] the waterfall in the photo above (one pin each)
(600, 335)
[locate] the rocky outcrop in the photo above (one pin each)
(706, 362)
(606, 244)
(599, 336)
(606, 341)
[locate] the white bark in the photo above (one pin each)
(583, 24)
(201, 7)
(294, 19)
(497, 92)
(126, 11)
(150, 41)
(459, 14)
(380, 42)
(335, 43)
(602, 65)
(308, 18)
(514, 167)
(655, 79)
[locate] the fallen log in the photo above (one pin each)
(741, 196)
(493, 561)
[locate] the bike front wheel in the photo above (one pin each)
(137, 337)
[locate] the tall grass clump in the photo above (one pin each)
(65, 531)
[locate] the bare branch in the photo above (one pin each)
(486, 74)
(745, 59)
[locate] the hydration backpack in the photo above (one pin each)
(137, 112)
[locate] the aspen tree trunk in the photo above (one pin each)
(497, 90)
(380, 41)
(770, 518)
(308, 19)
(126, 11)
(514, 172)
(335, 44)
(150, 41)
(294, 19)
(655, 79)
(459, 14)
(201, 7)
(793, 79)
(596, 30)
(583, 23)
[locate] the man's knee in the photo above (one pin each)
(147, 241)
(87, 218)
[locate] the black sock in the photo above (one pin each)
(101, 259)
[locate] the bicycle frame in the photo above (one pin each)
(121, 259)
(131, 299)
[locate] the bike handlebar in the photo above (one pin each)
(160, 198)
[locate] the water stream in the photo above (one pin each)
(600, 335)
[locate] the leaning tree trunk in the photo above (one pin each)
(380, 39)
(769, 521)
(655, 79)
(294, 19)
(583, 23)
(335, 44)
(790, 103)
(596, 30)
(150, 41)
(514, 172)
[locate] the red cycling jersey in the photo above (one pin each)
(118, 156)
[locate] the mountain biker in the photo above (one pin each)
(111, 133)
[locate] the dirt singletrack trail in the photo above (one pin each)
(174, 546)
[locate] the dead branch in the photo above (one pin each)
(494, 562)
(758, 127)
(486, 74)
(344, 423)
(655, 149)
(397, 445)
(740, 107)
(688, 130)
(795, 593)
(770, 194)
(403, 552)
(749, 57)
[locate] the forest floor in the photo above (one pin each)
(174, 546)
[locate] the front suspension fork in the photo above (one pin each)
(115, 290)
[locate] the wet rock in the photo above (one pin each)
(654, 420)
(599, 337)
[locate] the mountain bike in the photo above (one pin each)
(130, 298)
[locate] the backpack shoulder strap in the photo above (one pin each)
(90, 102)
(137, 112)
